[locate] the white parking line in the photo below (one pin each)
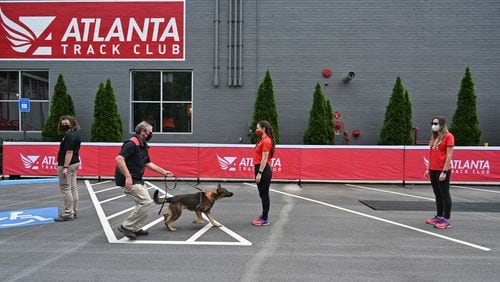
(100, 213)
(382, 220)
(119, 213)
(390, 192)
(111, 199)
(475, 189)
(102, 182)
(110, 235)
(107, 189)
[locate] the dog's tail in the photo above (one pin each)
(161, 200)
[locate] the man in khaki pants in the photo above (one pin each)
(130, 164)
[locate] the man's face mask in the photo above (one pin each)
(149, 135)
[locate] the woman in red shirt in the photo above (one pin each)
(439, 171)
(264, 151)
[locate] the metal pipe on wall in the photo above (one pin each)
(216, 45)
(229, 41)
(235, 42)
(240, 65)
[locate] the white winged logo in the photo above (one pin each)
(25, 33)
(226, 162)
(30, 161)
(426, 162)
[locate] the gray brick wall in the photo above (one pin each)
(427, 43)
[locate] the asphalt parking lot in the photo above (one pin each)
(318, 232)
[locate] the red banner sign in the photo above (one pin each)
(314, 163)
(237, 163)
(108, 30)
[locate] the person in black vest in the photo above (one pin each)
(68, 162)
(130, 164)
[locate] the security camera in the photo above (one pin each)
(350, 75)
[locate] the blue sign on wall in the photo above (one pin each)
(27, 217)
(24, 105)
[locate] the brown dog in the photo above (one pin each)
(200, 202)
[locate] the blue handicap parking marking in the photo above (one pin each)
(27, 217)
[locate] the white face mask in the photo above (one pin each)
(435, 128)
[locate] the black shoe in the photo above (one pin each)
(74, 215)
(63, 218)
(141, 232)
(128, 233)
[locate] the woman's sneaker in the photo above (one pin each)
(443, 224)
(258, 221)
(63, 218)
(433, 220)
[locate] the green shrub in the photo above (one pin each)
(107, 124)
(265, 108)
(398, 118)
(465, 124)
(317, 132)
(61, 104)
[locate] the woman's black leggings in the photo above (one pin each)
(263, 185)
(442, 193)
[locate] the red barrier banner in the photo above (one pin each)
(95, 30)
(237, 163)
(328, 163)
(467, 165)
(314, 163)
(41, 159)
(180, 160)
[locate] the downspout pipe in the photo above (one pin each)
(235, 43)
(216, 45)
(240, 74)
(229, 42)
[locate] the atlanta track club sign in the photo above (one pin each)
(118, 30)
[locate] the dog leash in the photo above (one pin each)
(167, 189)
(195, 187)
(166, 185)
(175, 186)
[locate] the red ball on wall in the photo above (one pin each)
(356, 133)
(327, 72)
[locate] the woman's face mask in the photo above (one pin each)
(65, 127)
(435, 127)
(258, 132)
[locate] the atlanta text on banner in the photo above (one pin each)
(93, 30)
